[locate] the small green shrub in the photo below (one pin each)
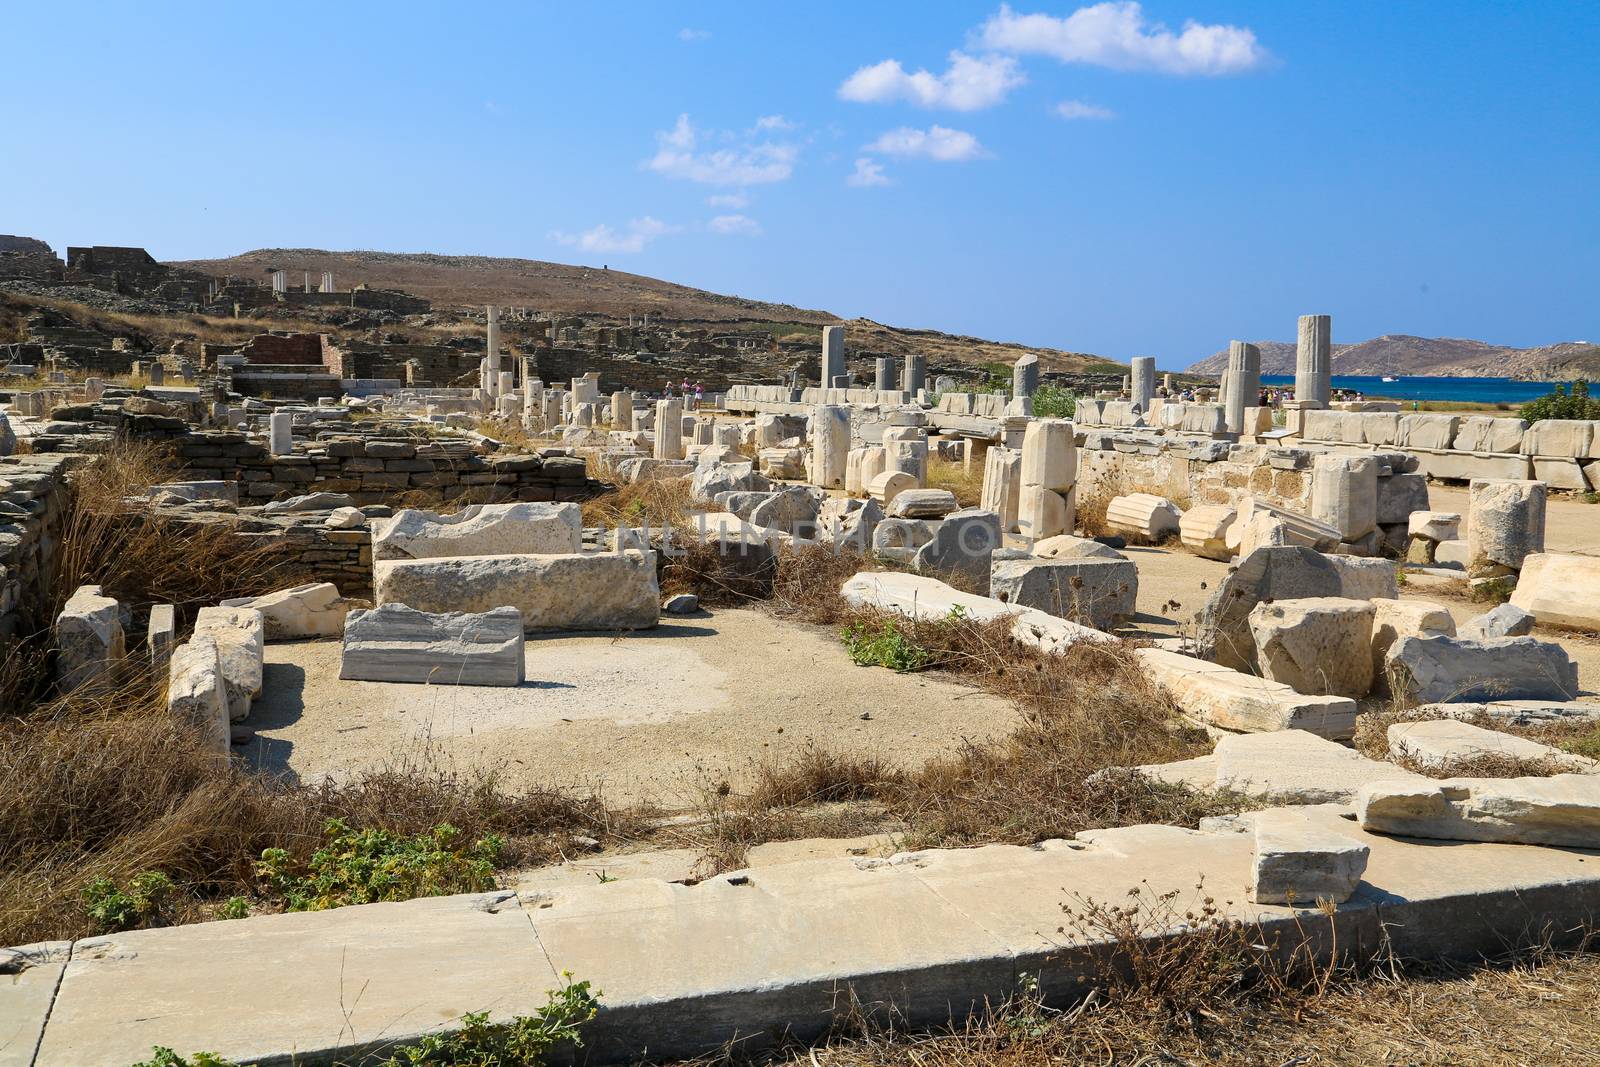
(1054, 402)
(365, 866)
(234, 908)
(1497, 591)
(114, 908)
(883, 646)
(1563, 404)
(523, 1042)
(165, 1057)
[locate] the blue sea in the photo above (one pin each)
(1468, 390)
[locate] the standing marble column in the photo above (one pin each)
(1144, 381)
(885, 379)
(830, 445)
(491, 355)
(1025, 376)
(916, 375)
(622, 410)
(832, 354)
(1313, 362)
(1243, 383)
(669, 429)
(281, 433)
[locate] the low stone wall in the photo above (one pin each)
(33, 507)
(375, 471)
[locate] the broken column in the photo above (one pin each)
(1505, 524)
(1344, 494)
(915, 376)
(491, 356)
(830, 444)
(89, 640)
(885, 377)
(1313, 362)
(906, 450)
(1002, 484)
(622, 410)
(1242, 386)
(1025, 376)
(832, 355)
(1144, 382)
(281, 440)
(1045, 502)
(669, 429)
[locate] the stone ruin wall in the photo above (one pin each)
(33, 508)
(1189, 481)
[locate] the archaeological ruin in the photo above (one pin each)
(359, 550)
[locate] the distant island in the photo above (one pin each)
(1402, 354)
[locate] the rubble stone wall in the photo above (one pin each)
(33, 508)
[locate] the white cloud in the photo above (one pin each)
(693, 35)
(731, 225)
(775, 122)
(631, 238)
(970, 84)
(868, 173)
(1115, 34)
(936, 142)
(1077, 109)
(748, 162)
(732, 201)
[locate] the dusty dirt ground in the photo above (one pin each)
(651, 716)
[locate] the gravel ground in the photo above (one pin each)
(654, 716)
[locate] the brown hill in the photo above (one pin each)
(1400, 354)
(476, 280)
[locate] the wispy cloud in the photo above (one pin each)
(693, 35)
(732, 201)
(970, 84)
(1116, 34)
(868, 173)
(775, 122)
(936, 142)
(750, 161)
(1078, 109)
(631, 238)
(735, 225)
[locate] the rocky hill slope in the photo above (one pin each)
(1402, 354)
(477, 280)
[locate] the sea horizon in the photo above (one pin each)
(1431, 387)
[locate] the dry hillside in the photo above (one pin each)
(475, 280)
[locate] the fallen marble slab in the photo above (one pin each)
(1298, 861)
(1213, 695)
(1443, 669)
(479, 530)
(1562, 810)
(1440, 744)
(312, 610)
(932, 935)
(590, 591)
(394, 643)
(1293, 766)
(931, 600)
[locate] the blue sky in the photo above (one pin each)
(1119, 178)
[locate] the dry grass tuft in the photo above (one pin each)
(966, 483)
(657, 503)
(115, 786)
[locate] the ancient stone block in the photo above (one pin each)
(1440, 669)
(1318, 645)
(240, 634)
(90, 643)
(1505, 524)
(305, 611)
(1275, 573)
(479, 530)
(608, 591)
(394, 643)
(1563, 810)
(1090, 590)
(197, 692)
(1560, 589)
(1298, 862)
